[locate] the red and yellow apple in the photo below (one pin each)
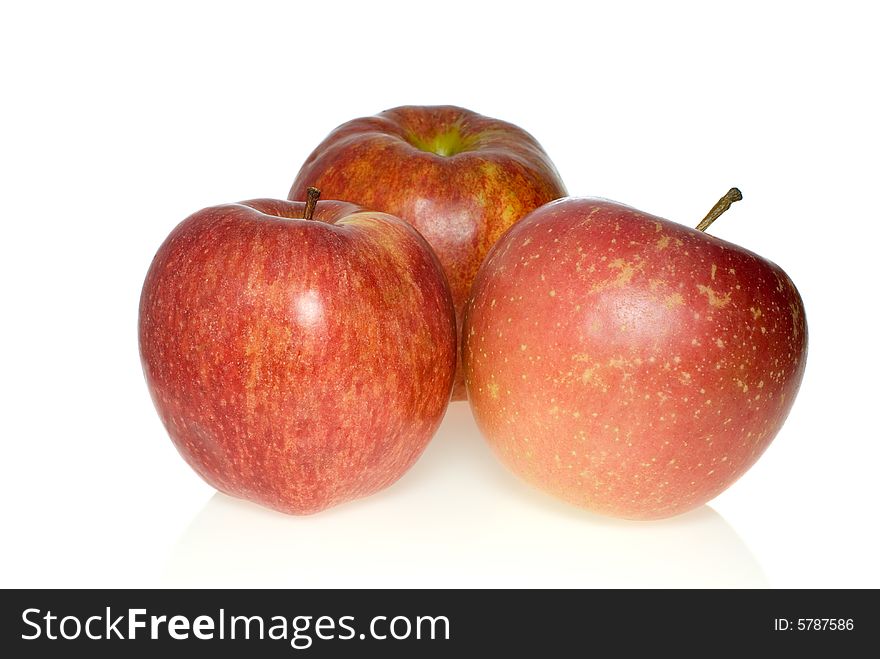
(460, 178)
(626, 363)
(297, 360)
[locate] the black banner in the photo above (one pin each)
(289, 623)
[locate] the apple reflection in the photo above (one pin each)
(457, 519)
(308, 309)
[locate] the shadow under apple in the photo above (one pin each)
(457, 519)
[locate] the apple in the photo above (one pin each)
(300, 355)
(460, 178)
(628, 364)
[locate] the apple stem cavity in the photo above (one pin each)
(312, 195)
(718, 209)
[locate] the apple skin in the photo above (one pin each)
(628, 364)
(297, 363)
(460, 178)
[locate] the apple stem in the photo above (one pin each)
(312, 195)
(718, 209)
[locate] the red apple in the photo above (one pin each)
(296, 362)
(460, 178)
(628, 364)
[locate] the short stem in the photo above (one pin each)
(312, 195)
(723, 204)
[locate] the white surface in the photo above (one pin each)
(119, 122)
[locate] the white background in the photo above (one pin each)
(117, 122)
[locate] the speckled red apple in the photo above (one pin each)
(460, 178)
(628, 364)
(297, 363)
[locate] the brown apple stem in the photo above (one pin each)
(718, 209)
(312, 195)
